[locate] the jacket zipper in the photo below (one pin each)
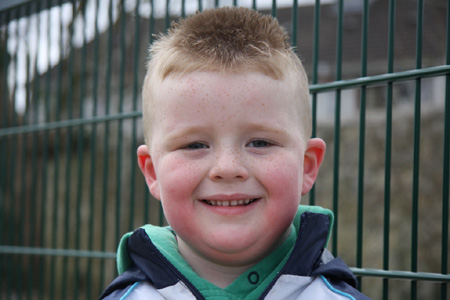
(272, 283)
(180, 276)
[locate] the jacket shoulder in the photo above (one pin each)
(305, 288)
(136, 291)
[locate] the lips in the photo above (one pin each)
(241, 202)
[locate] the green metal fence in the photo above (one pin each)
(70, 80)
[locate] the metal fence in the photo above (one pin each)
(70, 79)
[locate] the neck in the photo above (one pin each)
(216, 273)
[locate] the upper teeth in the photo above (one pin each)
(229, 203)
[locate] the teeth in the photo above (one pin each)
(230, 203)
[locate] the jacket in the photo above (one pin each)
(150, 267)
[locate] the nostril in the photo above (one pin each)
(228, 165)
(231, 173)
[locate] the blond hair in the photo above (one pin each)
(226, 40)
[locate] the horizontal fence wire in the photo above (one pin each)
(401, 275)
(381, 79)
(16, 131)
(112, 255)
(56, 252)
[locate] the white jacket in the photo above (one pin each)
(150, 267)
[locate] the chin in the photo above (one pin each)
(237, 259)
(243, 251)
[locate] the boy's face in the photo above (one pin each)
(227, 161)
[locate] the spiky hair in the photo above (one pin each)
(226, 39)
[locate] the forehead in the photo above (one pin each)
(224, 102)
(243, 89)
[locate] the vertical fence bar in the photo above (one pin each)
(5, 117)
(416, 155)
(167, 18)
(146, 191)
(388, 147)
(387, 181)
(134, 121)
(10, 182)
(13, 170)
(28, 194)
(28, 119)
(68, 166)
(57, 156)
(13, 14)
(274, 8)
(315, 70)
(446, 165)
(4, 16)
(22, 143)
(93, 151)
(315, 75)
(35, 98)
(120, 129)
(183, 8)
(106, 142)
(294, 23)
(362, 139)
(80, 144)
(166, 27)
(337, 126)
(44, 195)
(15, 121)
(445, 189)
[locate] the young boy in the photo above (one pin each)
(228, 153)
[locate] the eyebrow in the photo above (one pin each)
(254, 127)
(176, 134)
(262, 127)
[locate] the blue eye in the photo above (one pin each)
(259, 144)
(195, 146)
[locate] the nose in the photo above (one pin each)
(229, 165)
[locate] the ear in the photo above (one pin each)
(148, 169)
(314, 153)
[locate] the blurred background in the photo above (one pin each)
(71, 74)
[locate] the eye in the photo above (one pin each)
(259, 144)
(195, 146)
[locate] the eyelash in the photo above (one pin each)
(200, 145)
(266, 143)
(194, 146)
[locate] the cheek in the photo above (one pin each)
(177, 182)
(283, 178)
(283, 181)
(176, 176)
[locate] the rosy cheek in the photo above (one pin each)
(178, 178)
(284, 175)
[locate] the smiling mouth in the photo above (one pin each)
(243, 202)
